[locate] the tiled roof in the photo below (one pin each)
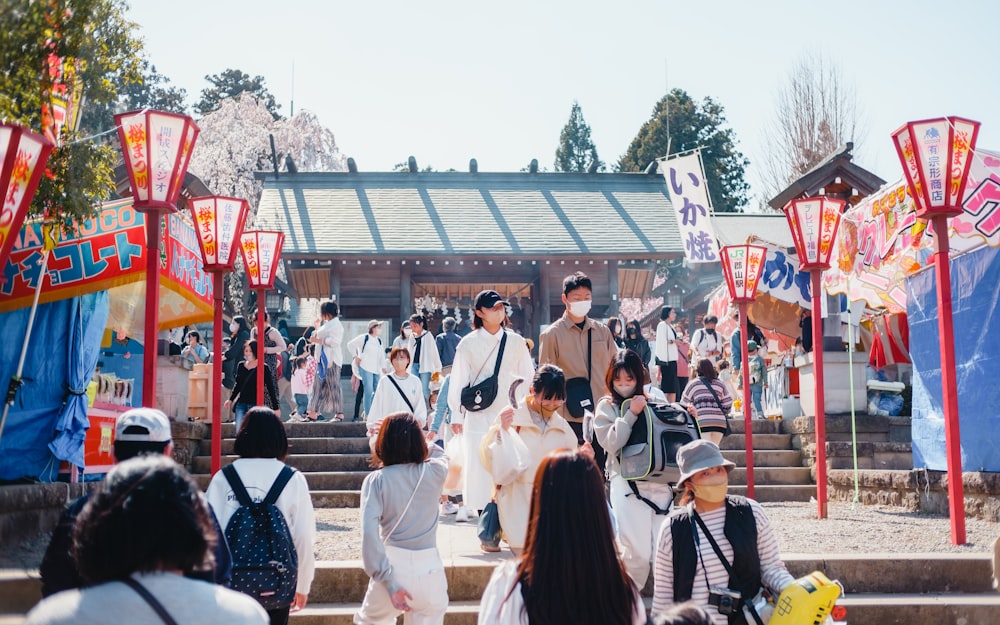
(471, 214)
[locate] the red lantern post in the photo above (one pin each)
(936, 156)
(742, 266)
(814, 223)
(157, 148)
(219, 223)
(261, 252)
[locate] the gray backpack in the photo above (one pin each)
(651, 451)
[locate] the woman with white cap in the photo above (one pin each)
(719, 550)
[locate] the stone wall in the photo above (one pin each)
(883, 443)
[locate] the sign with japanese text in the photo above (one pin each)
(742, 266)
(108, 252)
(61, 109)
(689, 198)
(261, 251)
(157, 148)
(217, 222)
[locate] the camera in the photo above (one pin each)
(727, 601)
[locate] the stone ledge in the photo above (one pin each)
(28, 509)
(919, 490)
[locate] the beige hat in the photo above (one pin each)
(373, 323)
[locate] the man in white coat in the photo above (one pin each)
(475, 361)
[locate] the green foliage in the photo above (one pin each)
(692, 125)
(80, 173)
(576, 151)
(231, 83)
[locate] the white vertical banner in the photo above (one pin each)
(689, 197)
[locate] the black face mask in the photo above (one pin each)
(631, 333)
(710, 332)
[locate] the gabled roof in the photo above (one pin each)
(837, 165)
(470, 214)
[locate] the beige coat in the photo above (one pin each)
(514, 500)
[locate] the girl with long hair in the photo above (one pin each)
(638, 343)
(244, 395)
(570, 571)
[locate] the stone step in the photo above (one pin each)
(307, 463)
(757, 426)
(338, 445)
(336, 498)
(306, 430)
(459, 613)
(773, 476)
(766, 458)
(737, 442)
(775, 493)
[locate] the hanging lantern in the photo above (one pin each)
(261, 251)
(157, 148)
(219, 223)
(935, 154)
(742, 266)
(23, 155)
(814, 222)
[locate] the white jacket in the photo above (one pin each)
(430, 360)
(372, 352)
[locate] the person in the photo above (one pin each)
(146, 530)
(706, 342)
(228, 370)
(262, 446)
(404, 334)
(369, 358)
(583, 349)
(326, 395)
(439, 427)
(194, 353)
(758, 378)
(239, 334)
(736, 341)
(137, 431)
(726, 377)
(447, 343)
(424, 359)
(615, 325)
(805, 324)
(637, 522)
(557, 579)
(542, 429)
(683, 362)
(708, 398)
(638, 343)
(477, 357)
(666, 353)
(687, 565)
(244, 394)
(300, 390)
(274, 344)
(399, 518)
(397, 392)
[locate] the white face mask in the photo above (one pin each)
(625, 390)
(580, 309)
(233, 327)
(407, 332)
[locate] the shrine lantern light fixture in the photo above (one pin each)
(742, 266)
(261, 251)
(157, 148)
(813, 222)
(23, 155)
(219, 223)
(936, 157)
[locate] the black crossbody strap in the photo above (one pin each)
(151, 600)
(242, 496)
(589, 348)
(725, 563)
(401, 393)
(503, 343)
(656, 509)
(714, 395)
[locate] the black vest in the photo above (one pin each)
(741, 530)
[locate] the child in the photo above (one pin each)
(300, 388)
(758, 378)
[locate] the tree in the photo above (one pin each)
(682, 124)
(93, 38)
(815, 114)
(152, 90)
(576, 151)
(231, 83)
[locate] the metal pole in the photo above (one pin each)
(152, 320)
(817, 323)
(15, 382)
(261, 294)
(747, 419)
(949, 382)
(217, 374)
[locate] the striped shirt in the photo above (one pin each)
(709, 414)
(773, 572)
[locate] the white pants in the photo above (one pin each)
(638, 525)
(422, 574)
(477, 489)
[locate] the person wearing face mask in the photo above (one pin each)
(537, 421)
(637, 523)
(239, 334)
(583, 348)
(615, 325)
(687, 566)
(404, 335)
(706, 342)
(666, 353)
(635, 341)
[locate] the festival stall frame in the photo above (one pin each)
(95, 280)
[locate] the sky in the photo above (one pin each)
(446, 81)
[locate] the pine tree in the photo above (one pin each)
(576, 151)
(231, 83)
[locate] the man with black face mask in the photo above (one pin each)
(706, 342)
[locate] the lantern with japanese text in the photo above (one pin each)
(157, 148)
(743, 266)
(261, 251)
(23, 155)
(219, 223)
(936, 155)
(814, 222)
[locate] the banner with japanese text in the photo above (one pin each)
(691, 206)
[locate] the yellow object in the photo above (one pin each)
(808, 601)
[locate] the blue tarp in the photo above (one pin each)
(63, 351)
(975, 284)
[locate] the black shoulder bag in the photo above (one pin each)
(482, 395)
(579, 396)
(401, 393)
(719, 402)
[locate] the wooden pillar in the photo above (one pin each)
(613, 288)
(405, 293)
(335, 284)
(544, 306)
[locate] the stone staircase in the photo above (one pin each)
(779, 471)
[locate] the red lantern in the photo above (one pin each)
(935, 154)
(261, 251)
(814, 222)
(157, 148)
(219, 223)
(743, 266)
(23, 155)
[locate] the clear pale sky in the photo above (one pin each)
(446, 81)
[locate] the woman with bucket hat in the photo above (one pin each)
(718, 550)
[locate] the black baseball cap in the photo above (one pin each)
(488, 299)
